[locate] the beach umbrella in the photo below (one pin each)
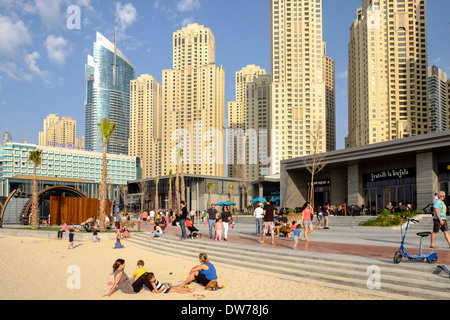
(260, 199)
(220, 204)
(276, 199)
(229, 203)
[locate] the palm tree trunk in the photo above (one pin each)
(34, 203)
(177, 194)
(170, 195)
(156, 199)
(183, 191)
(103, 192)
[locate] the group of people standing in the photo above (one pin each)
(218, 224)
(266, 219)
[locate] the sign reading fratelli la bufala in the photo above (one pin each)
(390, 174)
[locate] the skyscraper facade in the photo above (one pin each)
(448, 104)
(330, 104)
(145, 126)
(387, 72)
(437, 99)
(238, 122)
(60, 131)
(193, 105)
(258, 151)
(298, 111)
(108, 74)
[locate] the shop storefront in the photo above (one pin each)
(397, 186)
(403, 172)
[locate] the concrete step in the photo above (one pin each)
(397, 281)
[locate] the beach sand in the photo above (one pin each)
(39, 269)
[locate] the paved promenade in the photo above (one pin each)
(379, 243)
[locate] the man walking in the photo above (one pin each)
(182, 218)
(440, 219)
(269, 215)
(212, 216)
(259, 215)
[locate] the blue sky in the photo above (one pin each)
(42, 60)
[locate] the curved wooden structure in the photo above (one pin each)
(76, 192)
(5, 205)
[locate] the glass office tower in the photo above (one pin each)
(108, 74)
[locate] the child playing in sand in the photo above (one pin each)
(218, 229)
(95, 237)
(158, 287)
(297, 234)
(140, 270)
(71, 236)
(125, 233)
(118, 244)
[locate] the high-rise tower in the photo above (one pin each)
(387, 72)
(437, 99)
(298, 112)
(108, 74)
(193, 105)
(145, 126)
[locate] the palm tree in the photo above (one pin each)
(106, 129)
(182, 185)
(210, 187)
(170, 189)
(156, 195)
(231, 188)
(36, 158)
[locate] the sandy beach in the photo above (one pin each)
(40, 269)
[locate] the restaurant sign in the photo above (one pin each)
(390, 174)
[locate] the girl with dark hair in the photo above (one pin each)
(127, 285)
(226, 220)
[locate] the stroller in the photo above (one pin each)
(193, 231)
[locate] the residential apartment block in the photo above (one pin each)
(387, 72)
(145, 123)
(60, 131)
(298, 108)
(437, 99)
(193, 106)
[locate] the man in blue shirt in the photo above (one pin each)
(440, 219)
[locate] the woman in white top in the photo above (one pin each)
(259, 215)
(156, 233)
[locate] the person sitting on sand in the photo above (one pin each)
(126, 284)
(125, 233)
(118, 244)
(205, 273)
(140, 270)
(158, 287)
(95, 237)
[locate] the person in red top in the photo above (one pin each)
(307, 220)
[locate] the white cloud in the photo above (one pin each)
(187, 21)
(57, 49)
(188, 5)
(126, 15)
(50, 13)
(14, 35)
(12, 71)
(31, 60)
(342, 75)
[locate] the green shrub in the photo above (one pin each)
(388, 219)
